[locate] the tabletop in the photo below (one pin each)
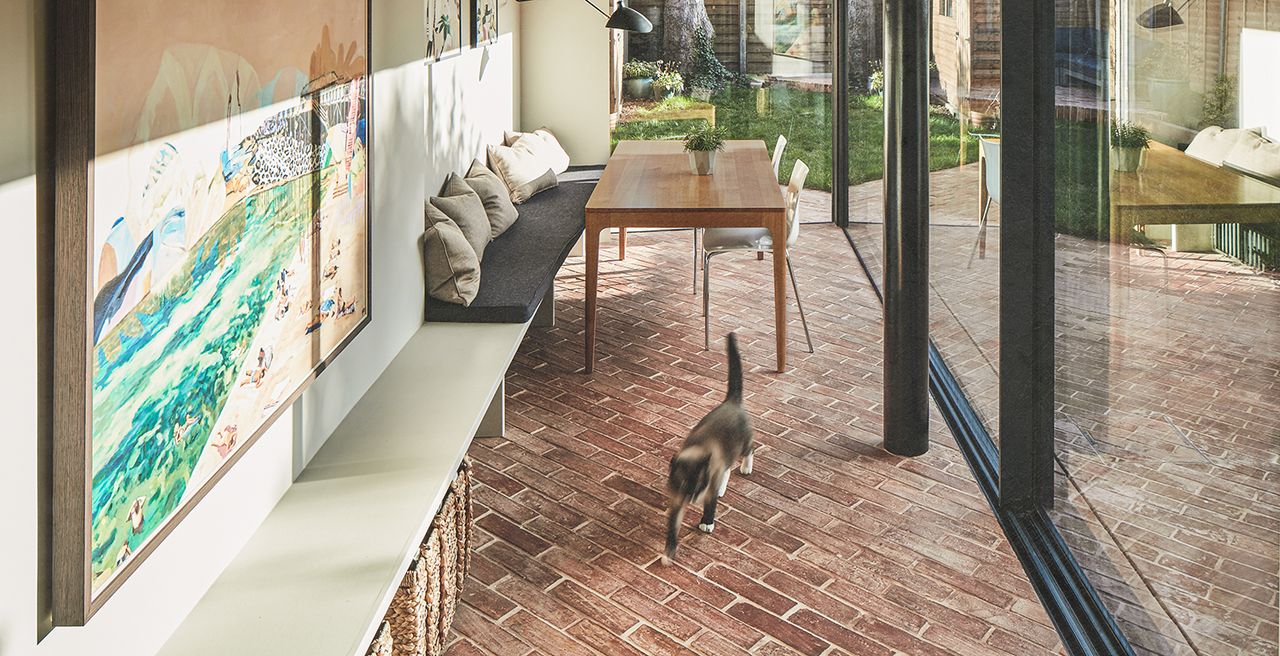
(1173, 179)
(654, 175)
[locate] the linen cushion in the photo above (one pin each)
(1257, 156)
(543, 144)
(1213, 143)
(521, 170)
(453, 270)
(465, 208)
(493, 193)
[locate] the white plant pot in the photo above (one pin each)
(1126, 160)
(702, 162)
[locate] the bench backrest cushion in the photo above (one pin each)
(1258, 157)
(493, 193)
(520, 168)
(453, 269)
(1213, 143)
(543, 144)
(464, 206)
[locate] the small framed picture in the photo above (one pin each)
(484, 22)
(445, 30)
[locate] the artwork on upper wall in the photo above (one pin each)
(798, 29)
(484, 22)
(445, 29)
(226, 259)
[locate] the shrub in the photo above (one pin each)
(1220, 103)
(705, 70)
(638, 68)
(670, 79)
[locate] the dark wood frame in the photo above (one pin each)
(70, 79)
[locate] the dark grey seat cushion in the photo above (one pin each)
(521, 264)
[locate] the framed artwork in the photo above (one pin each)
(212, 239)
(484, 22)
(445, 30)
(798, 29)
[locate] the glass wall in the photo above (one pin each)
(1168, 316)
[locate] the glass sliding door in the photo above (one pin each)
(1168, 316)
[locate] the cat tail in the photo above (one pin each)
(735, 371)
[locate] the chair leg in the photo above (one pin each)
(804, 322)
(706, 301)
(982, 234)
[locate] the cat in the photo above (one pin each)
(700, 470)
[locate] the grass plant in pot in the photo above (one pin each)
(702, 146)
(637, 78)
(667, 84)
(1128, 140)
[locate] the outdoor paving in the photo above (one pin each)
(1168, 423)
(832, 546)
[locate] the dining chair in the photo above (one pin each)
(778, 149)
(991, 163)
(726, 240)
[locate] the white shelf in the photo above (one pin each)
(318, 575)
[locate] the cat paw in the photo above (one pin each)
(706, 528)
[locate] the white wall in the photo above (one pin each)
(564, 68)
(472, 95)
(1259, 93)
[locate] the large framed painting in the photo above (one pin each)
(445, 29)
(798, 29)
(212, 244)
(484, 22)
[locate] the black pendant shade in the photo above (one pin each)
(626, 18)
(1160, 16)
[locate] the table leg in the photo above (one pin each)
(778, 229)
(593, 272)
(622, 243)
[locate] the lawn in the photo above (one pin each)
(804, 118)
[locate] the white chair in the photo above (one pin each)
(778, 149)
(725, 240)
(991, 164)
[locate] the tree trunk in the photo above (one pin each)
(866, 27)
(680, 18)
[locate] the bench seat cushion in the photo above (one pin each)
(520, 265)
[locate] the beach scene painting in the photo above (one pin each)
(229, 235)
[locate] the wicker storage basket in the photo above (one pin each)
(382, 644)
(422, 612)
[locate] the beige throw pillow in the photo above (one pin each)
(465, 208)
(453, 270)
(522, 171)
(493, 193)
(1213, 143)
(543, 144)
(1257, 156)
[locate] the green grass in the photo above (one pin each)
(804, 118)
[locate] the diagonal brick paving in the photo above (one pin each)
(832, 546)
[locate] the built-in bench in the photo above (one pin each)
(318, 575)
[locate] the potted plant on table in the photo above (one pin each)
(637, 78)
(702, 146)
(668, 83)
(1128, 140)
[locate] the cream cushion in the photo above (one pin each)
(1213, 143)
(543, 144)
(521, 170)
(465, 208)
(453, 269)
(493, 193)
(1257, 156)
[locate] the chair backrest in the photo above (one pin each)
(798, 175)
(991, 156)
(777, 154)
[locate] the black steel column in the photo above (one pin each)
(1026, 254)
(906, 227)
(840, 116)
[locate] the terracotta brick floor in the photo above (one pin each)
(1168, 420)
(832, 546)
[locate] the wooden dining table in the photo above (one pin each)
(649, 184)
(1172, 187)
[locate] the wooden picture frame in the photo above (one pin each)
(446, 35)
(217, 296)
(484, 22)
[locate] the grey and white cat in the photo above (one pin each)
(700, 470)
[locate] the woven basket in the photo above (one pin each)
(422, 612)
(382, 644)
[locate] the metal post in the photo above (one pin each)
(1026, 254)
(840, 116)
(906, 227)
